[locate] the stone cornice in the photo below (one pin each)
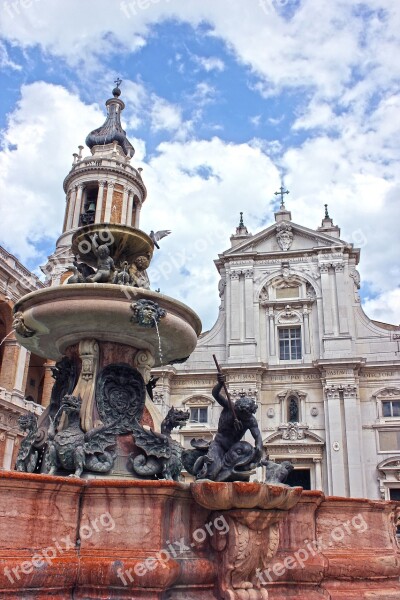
(103, 170)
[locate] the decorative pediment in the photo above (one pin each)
(282, 237)
(387, 393)
(293, 432)
(198, 401)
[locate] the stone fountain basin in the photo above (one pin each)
(64, 315)
(242, 495)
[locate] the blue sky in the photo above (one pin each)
(224, 100)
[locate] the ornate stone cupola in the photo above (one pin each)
(100, 188)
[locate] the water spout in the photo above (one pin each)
(160, 353)
(4, 338)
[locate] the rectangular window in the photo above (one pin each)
(391, 408)
(198, 415)
(389, 441)
(290, 343)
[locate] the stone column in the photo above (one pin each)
(99, 202)
(354, 442)
(341, 298)
(67, 205)
(249, 306)
(48, 382)
(8, 452)
(129, 210)
(138, 207)
(335, 447)
(124, 206)
(235, 306)
(326, 299)
(71, 207)
(110, 191)
(78, 207)
(22, 370)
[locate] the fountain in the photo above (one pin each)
(96, 507)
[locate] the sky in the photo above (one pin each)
(225, 101)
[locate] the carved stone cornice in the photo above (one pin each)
(106, 170)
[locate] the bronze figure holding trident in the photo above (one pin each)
(228, 458)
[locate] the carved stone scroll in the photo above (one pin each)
(246, 550)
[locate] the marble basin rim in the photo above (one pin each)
(64, 315)
(124, 242)
(244, 495)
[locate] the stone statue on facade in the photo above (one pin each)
(162, 454)
(74, 450)
(28, 455)
(227, 457)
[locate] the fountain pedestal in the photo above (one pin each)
(152, 540)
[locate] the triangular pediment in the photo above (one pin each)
(284, 239)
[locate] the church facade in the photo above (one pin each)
(292, 334)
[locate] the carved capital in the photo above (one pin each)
(332, 392)
(249, 273)
(102, 183)
(339, 267)
(234, 274)
(324, 267)
(350, 391)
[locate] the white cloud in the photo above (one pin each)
(385, 307)
(202, 212)
(5, 61)
(209, 63)
(42, 133)
(165, 116)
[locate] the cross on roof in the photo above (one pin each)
(281, 193)
(118, 82)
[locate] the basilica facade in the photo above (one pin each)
(291, 333)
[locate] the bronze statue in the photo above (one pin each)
(162, 455)
(74, 450)
(277, 472)
(105, 264)
(227, 458)
(28, 455)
